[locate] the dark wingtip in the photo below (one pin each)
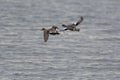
(45, 40)
(81, 19)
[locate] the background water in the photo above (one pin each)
(91, 54)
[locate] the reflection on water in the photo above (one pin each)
(91, 54)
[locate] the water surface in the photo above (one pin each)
(91, 54)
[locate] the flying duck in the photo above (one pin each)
(72, 27)
(51, 31)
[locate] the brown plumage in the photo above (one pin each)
(72, 27)
(51, 31)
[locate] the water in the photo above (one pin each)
(91, 54)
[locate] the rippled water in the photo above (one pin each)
(91, 54)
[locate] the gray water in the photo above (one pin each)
(91, 54)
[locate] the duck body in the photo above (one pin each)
(53, 30)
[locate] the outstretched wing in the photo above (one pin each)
(46, 35)
(79, 21)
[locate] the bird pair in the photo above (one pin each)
(53, 30)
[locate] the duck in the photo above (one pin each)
(51, 31)
(72, 27)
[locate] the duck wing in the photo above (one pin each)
(77, 23)
(46, 35)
